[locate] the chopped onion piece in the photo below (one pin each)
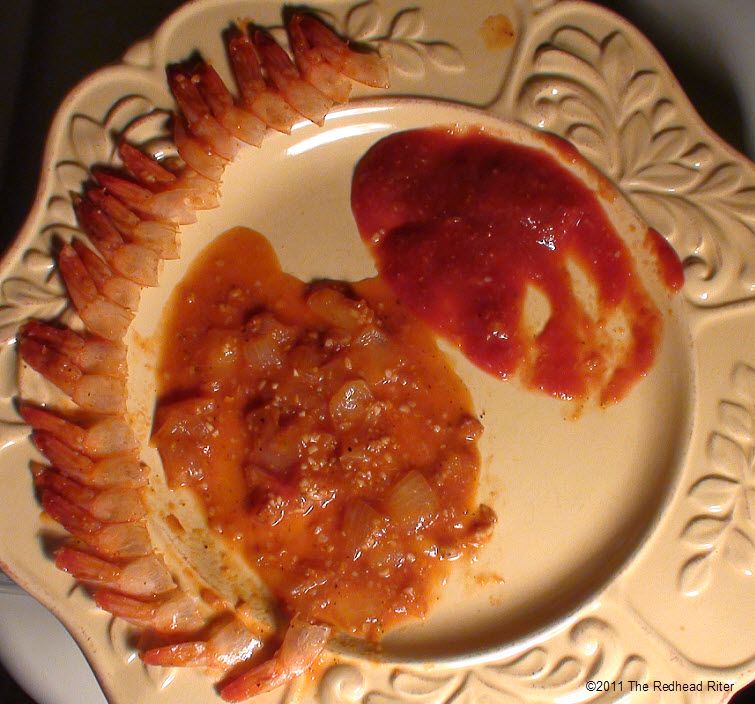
(183, 432)
(350, 403)
(262, 353)
(267, 324)
(277, 452)
(219, 357)
(269, 456)
(412, 502)
(335, 308)
(361, 524)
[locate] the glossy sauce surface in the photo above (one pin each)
(469, 229)
(324, 432)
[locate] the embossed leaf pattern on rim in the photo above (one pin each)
(402, 39)
(592, 651)
(721, 533)
(602, 94)
(600, 90)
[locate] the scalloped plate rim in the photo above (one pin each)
(27, 231)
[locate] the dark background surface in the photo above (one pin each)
(50, 45)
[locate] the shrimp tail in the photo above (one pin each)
(228, 644)
(107, 505)
(114, 287)
(91, 354)
(202, 124)
(146, 170)
(114, 541)
(45, 351)
(196, 154)
(241, 123)
(312, 64)
(73, 518)
(100, 315)
(257, 96)
(109, 435)
(149, 173)
(119, 470)
(188, 654)
(142, 577)
(175, 613)
(162, 237)
(172, 206)
(300, 95)
(369, 69)
(43, 421)
(301, 646)
(130, 260)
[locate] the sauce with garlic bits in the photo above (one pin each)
(324, 432)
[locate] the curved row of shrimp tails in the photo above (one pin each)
(93, 485)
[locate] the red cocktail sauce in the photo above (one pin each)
(462, 223)
(669, 267)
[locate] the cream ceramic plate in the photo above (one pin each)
(626, 544)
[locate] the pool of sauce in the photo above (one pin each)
(324, 433)
(465, 227)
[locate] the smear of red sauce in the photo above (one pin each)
(669, 267)
(462, 224)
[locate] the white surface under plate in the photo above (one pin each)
(626, 540)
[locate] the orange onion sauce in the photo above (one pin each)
(464, 226)
(324, 432)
